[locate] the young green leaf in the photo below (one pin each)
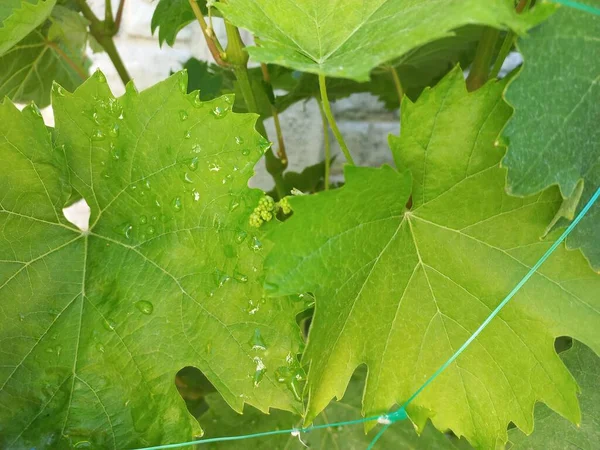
(349, 38)
(96, 323)
(20, 17)
(405, 268)
(170, 16)
(553, 431)
(220, 420)
(554, 134)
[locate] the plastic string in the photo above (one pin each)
(400, 413)
(579, 6)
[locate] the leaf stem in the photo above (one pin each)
(397, 83)
(119, 15)
(281, 154)
(327, 143)
(483, 59)
(507, 43)
(331, 119)
(212, 42)
(108, 15)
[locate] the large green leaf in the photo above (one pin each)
(20, 17)
(417, 69)
(96, 323)
(401, 288)
(348, 38)
(553, 431)
(221, 420)
(554, 137)
(28, 69)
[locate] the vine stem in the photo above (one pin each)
(327, 143)
(216, 50)
(119, 15)
(103, 32)
(331, 120)
(507, 43)
(281, 149)
(397, 83)
(238, 61)
(483, 59)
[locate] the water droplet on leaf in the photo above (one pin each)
(145, 307)
(193, 165)
(183, 115)
(98, 135)
(257, 342)
(176, 204)
(240, 277)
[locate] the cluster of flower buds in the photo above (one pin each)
(266, 209)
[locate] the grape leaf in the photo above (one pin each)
(171, 16)
(553, 431)
(96, 323)
(19, 17)
(349, 38)
(28, 70)
(555, 139)
(417, 69)
(69, 28)
(400, 289)
(220, 420)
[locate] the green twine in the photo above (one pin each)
(579, 6)
(400, 413)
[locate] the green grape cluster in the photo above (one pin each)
(263, 212)
(284, 204)
(266, 209)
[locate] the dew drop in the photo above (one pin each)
(125, 229)
(183, 115)
(176, 204)
(83, 444)
(196, 148)
(252, 307)
(147, 184)
(21, 317)
(233, 204)
(143, 220)
(214, 167)
(263, 144)
(240, 277)
(240, 236)
(114, 131)
(227, 179)
(197, 102)
(259, 371)
(144, 307)
(239, 140)
(58, 89)
(257, 342)
(150, 230)
(220, 112)
(50, 350)
(187, 134)
(193, 165)
(255, 244)
(196, 195)
(115, 153)
(245, 151)
(187, 178)
(221, 278)
(100, 77)
(98, 135)
(183, 83)
(108, 325)
(100, 347)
